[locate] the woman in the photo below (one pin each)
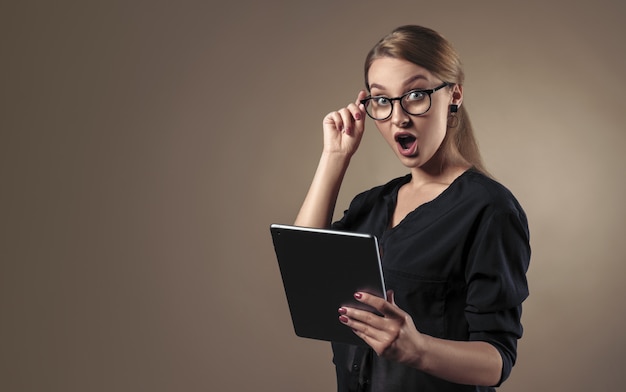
(454, 242)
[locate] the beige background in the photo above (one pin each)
(147, 146)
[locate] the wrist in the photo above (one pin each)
(336, 157)
(419, 359)
(332, 167)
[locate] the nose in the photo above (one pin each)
(399, 117)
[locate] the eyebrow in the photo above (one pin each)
(406, 82)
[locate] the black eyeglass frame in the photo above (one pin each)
(428, 92)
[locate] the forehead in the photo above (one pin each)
(390, 73)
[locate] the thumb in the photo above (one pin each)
(390, 297)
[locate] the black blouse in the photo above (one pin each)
(457, 265)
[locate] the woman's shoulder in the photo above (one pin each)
(481, 187)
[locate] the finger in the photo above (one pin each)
(386, 308)
(355, 111)
(363, 316)
(363, 322)
(375, 336)
(348, 120)
(391, 297)
(361, 96)
(335, 119)
(354, 117)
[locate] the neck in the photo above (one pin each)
(420, 176)
(445, 166)
(439, 170)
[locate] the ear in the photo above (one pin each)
(457, 95)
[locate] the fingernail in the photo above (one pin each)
(357, 116)
(343, 319)
(343, 310)
(358, 295)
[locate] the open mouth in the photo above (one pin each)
(407, 143)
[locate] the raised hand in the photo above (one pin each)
(344, 128)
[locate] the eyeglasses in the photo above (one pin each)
(414, 102)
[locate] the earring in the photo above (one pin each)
(453, 120)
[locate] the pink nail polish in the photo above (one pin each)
(358, 295)
(343, 310)
(343, 319)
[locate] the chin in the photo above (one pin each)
(410, 162)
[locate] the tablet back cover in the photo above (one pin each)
(321, 270)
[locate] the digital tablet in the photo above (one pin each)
(321, 270)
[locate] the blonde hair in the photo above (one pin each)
(428, 49)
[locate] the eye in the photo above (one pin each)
(415, 95)
(380, 101)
